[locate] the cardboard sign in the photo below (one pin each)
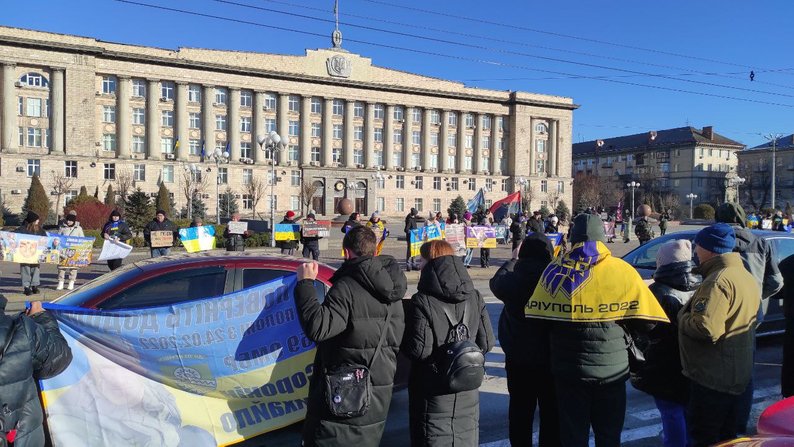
(161, 239)
(112, 249)
(480, 237)
(237, 227)
(320, 228)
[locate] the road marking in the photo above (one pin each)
(653, 430)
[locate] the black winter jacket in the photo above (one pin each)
(118, 229)
(234, 242)
(410, 223)
(660, 375)
(287, 245)
(36, 351)
(438, 419)
(346, 328)
(524, 340)
(535, 226)
(154, 225)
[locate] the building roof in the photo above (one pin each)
(680, 136)
(782, 143)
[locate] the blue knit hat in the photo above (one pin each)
(718, 238)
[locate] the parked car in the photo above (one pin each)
(774, 427)
(643, 258)
(188, 277)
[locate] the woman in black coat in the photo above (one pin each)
(526, 345)
(118, 230)
(436, 417)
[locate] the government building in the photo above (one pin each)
(668, 164)
(102, 113)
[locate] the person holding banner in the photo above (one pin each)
(358, 329)
(235, 241)
(311, 244)
(118, 230)
(30, 272)
(288, 247)
(34, 349)
(445, 298)
(411, 223)
(161, 227)
(69, 227)
(381, 232)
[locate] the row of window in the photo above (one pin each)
(167, 89)
(34, 107)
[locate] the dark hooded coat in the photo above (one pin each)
(524, 340)
(347, 327)
(660, 375)
(36, 350)
(438, 419)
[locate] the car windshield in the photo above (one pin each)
(644, 257)
(99, 286)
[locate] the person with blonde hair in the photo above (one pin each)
(445, 305)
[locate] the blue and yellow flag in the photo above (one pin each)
(588, 284)
(197, 238)
(214, 371)
(423, 234)
(287, 232)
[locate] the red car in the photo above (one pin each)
(775, 427)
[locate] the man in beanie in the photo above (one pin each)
(588, 346)
(526, 344)
(160, 223)
(311, 244)
(716, 329)
(410, 224)
(758, 256)
(288, 247)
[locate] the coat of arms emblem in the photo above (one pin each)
(338, 66)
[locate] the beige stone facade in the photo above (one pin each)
(670, 164)
(386, 139)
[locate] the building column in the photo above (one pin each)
(259, 125)
(233, 124)
(425, 147)
(553, 148)
(408, 143)
(478, 165)
(182, 122)
(9, 112)
(494, 146)
(283, 126)
(306, 132)
(57, 111)
(349, 143)
(369, 137)
(153, 119)
(388, 137)
(532, 147)
(461, 150)
(443, 145)
(208, 119)
(328, 132)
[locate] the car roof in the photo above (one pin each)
(231, 257)
(766, 234)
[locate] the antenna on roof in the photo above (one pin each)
(336, 36)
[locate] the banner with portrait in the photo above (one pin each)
(196, 239)
(455, 234)
(210, 372)
(27, 248)
(423, 234)
(480, 237)
(71, 251)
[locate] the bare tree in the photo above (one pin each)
(256, 189)
(757, 186)
(585, 190)
(61, 185)
(193, 183)
(124, 185)
(308, 190)
(527, 195)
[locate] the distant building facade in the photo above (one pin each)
(388, 140)
(755, 166)
(670, 164)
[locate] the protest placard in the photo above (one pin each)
(236, 227)
(70, 251)
(320, 228)
(26, 248)
(480, 237)
(456, 237)
(159, 239)
(112, 249)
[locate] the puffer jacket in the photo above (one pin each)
(525, 341)
(436, 418)
(716, 328)
(37, 350)
(757, 254)
(75, 230)
(593, 353)
(660, 375)
(346, 328)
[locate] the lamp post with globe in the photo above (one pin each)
(219, 157)
(271, 142)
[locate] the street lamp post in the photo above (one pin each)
(193, 172)
(773, 139)
(691, 198)
(219, 157)
(273, 143)
(632, 185)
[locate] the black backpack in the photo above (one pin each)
(459, 361)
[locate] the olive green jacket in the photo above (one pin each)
(716, 327)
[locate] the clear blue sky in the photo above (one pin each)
(703, 41)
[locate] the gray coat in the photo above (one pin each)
(37, 350)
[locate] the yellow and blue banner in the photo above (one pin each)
(480, 237)
(214, 371)
(556, 242)
(423, 234)
(196, 239)
(70, 251)
(588, 284)
(287, 232)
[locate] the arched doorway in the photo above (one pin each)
(318, 197)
